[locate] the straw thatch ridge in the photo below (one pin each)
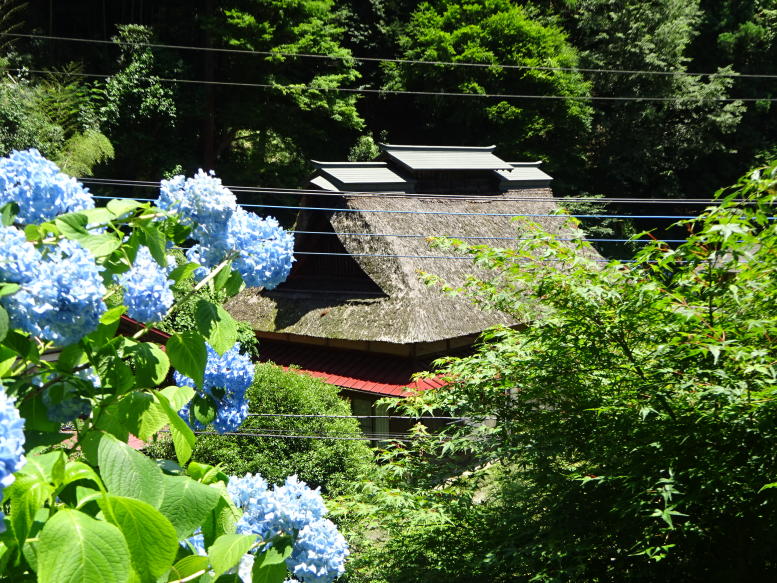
(409, 312)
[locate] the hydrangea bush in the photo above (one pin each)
(79, 503)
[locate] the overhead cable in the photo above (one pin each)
(458, 197)
(331, 56)
(322, 416)
(366, 91)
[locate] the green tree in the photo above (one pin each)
(627, 434)
(275, 398)
(492, 33)
(651, 148)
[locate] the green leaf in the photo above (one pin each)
(7, 360)
(188, 355)
(155, 241)
(234, 284)
(151, 364)
(47, 467)
(101, 244)
(204, 409)
(36, 416)
(122, 206)
(187, 503)
(75, 548)
(206, 473)
(183, 272)
(115, 374)
(22, 345)
(98, 216)
(8, 213)
(75, 471)
(217, 325)
(70, 357)
(112, 315)
(142, 415)
(7, 289)
(4, 323)
(72, 225)
(127, 472)
(222, 520)
(188, 566)
(151, 538)
(178, 396)
(228, 549)
(27, 494)
(270, 566)
(182, 434)
(222, 276)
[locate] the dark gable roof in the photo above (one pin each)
(416, 158)
(359, 176)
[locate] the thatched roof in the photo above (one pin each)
(408, 312)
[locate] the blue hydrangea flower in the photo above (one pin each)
(63, 399)
(319, 550)
(231, 374)
(18, 257)
(11, 443)
(201, 202)
(319, 553)
(147, 292)
(265, 250)
(40, 189)
(62, 298)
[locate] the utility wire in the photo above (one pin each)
(399, 61)
(443, 213)
(456, 197)
(353, 416)
(366, 91)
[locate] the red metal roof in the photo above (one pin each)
(387, 376)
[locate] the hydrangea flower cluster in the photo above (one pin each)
(201, 202)
(227, 377)
(147, 292)
(63, 399)
(221, 227)
(40, 189)
(11, 443)
(319, 550)
(61, 298)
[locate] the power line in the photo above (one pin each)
(331, 56)
(473, 237)
(307, 436)
(458, 197)
(321, 416)
(442, 213)
(366, 91)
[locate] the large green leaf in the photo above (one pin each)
(187, 503)
(187, 567)
(151, 538)
(142, 415)
(217, 325)
(122, 206)
(151, 364)
(270, 566)
(4, 323)
(27, 494)
(127, 472)
(155, 241)
(182, 434)
(227, 551)
(222, 520)
(178, 396)
(76, 548)
(47, 467)
(188, 355)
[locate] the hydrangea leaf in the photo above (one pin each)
(151, 538)
(4, 323)
(27, 494)
(75, 547)
(142, 415)
(177, 396)
(151, 364)
(188, 567)
(222, 520)
(183, 272)
(188, 355)
(120, 206)
(270, 566)
(127, 472)
(46, 467)
(183, 436)
(227, 550)
(186, 503)
(217, 325)
(35, 415)
(73, 225)
(100, 245)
